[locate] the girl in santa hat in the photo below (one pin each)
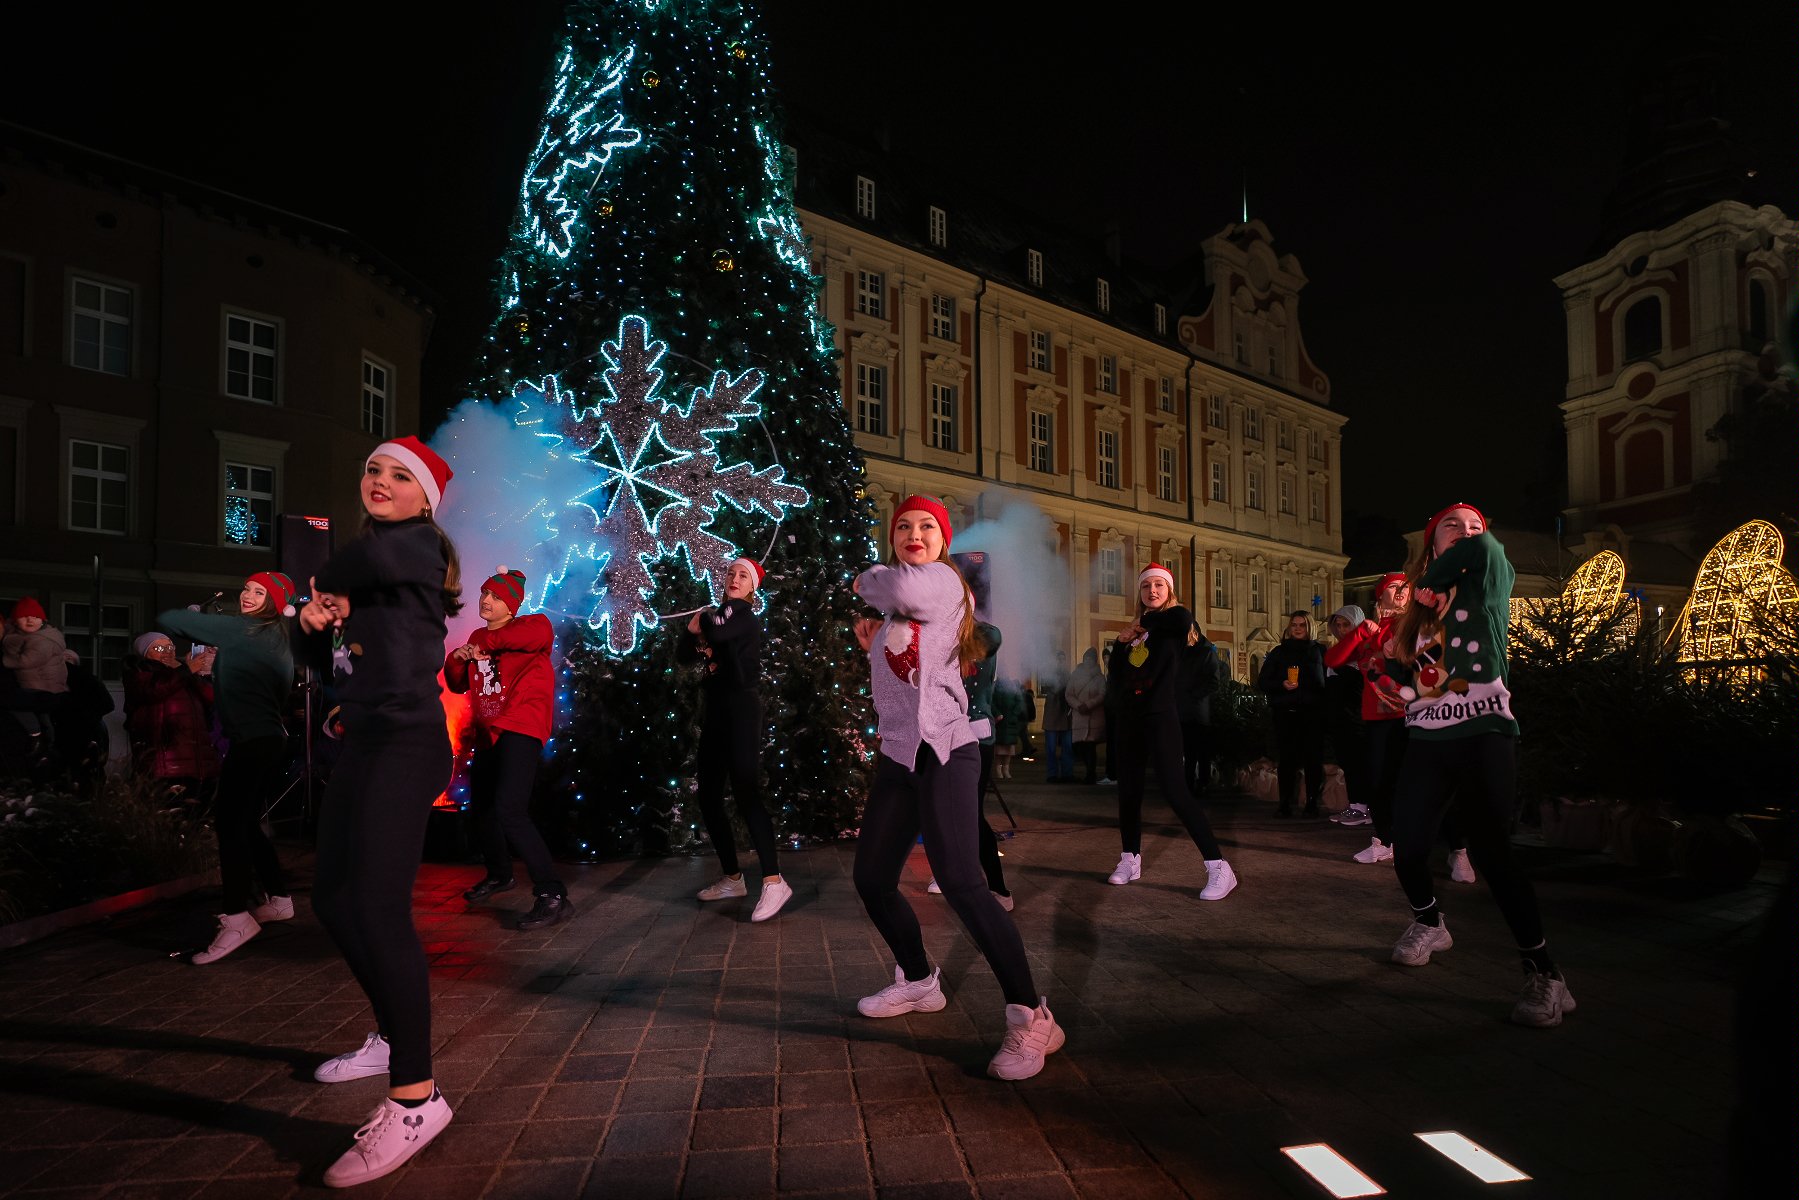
(925, 781)
(728, 640)
(1148, 654)
(379, 608)
(253, 676)
(1447, 653)
(507, 661)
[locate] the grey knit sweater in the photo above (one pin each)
(912, 663)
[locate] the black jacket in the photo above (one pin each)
(1303, 653)
(735, 635)
(1198, 680)
(1152, 685)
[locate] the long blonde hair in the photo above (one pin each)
(1174, 601)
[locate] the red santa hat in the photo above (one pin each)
(27, 607)
(1430, 530)
(754, 566)
(923, 504)
(1388, 580)
(1156, 571)
(508, 587)
(279, 587)
(431, 471)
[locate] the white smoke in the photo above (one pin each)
(1029, 596)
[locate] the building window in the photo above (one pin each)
(871, 293)
(942, 433)
(1165, 463)
(1043, 444)
(871, 400)
(99, 487)
(1165, 394)
(1103, 296)
(1759, 308)
(250, 348)
(939, 227)
(1162, 318)
(1315, 439)
(1240, 342)
(374, 397)
(1643, 329)
(249, 504)
(1285, 492)
(1215, 411)
(100, 328)
(1252, 424)
(1221, 588)
(943, 317)
(116, 631)
(1286, 595)
(1111, 570)
(1283, 433)
(1108, 374)
(1033, 267)
(1252, 488)
(1039, 350)
(1220, 486)
(1317, 504)
(1255, 592)
(1106, 454)
(865, 197)
(1274, 362)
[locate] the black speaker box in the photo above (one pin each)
(302, 546)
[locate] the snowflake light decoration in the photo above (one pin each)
(658, 482)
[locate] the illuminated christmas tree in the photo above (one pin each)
(658, 324)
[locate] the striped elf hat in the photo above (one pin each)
(508, 587)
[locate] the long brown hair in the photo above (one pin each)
(1415, 622)
(452, 587)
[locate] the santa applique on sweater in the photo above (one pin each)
(901, 649)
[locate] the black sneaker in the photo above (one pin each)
(488, 887)
(549, 910)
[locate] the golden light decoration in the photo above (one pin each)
(651, 79)
(603, 206)
(722, 260)
(1741, 583)
(738, 51)
(1593, 595)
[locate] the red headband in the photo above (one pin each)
(1391, 577)
(923, 504)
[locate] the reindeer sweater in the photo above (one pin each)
(1457, 685)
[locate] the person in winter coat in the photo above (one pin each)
(1058, 724)
(1293, 679)
(168, 705)
(1008, 726)
(1343, 711)
(36, 654)
(507, 663)
(1086, 696)
(1114, 710)
(1193, 704)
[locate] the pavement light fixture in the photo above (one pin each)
(1472, 1157)
(1337, 1174)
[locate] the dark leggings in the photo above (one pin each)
(731, 748)
(1087, 754)
(1156, 737)
(1196, 748)
(1472, 777)
(248, 783)
(937, 799)
(371, 837)
(500, 780)
(1386, 751)
(996, 878)
(1299, 743)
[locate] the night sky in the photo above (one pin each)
(1430, 184)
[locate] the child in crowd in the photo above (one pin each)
(34, 650)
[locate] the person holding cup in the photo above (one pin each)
(1292, 677)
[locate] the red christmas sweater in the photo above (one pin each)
(1361, 651)
(514, 686)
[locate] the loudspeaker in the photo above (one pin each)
(302, 546)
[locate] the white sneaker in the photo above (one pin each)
(275, 908)
(1544, 1001)
(1377, 851)
(903, 997)
(1106, 780)
(370, 1059)
(1031, 1035)
(1221, 881)
(1005, 902)
(1130, 867)
(932, 887)
(725, 889)
(392, 1134)
(1355, 814)
(1419, 942)
(1460, 869)
(775, 893)
(234, 930)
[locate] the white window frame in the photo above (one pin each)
(1041, 436)
(1103, 296)
(1252, 424)
(1286, 595)
(1039, 353)
(1221, 484)
(1105, 458)
(1317, 503)
(865, 197)
(871, 294)
(943, 316)
(251, 494)
(1240, 345)
(100, 476)
(1284, 494)
(1105, 374)
(939, 226)
(1166, 460)
(252, 351)
(1162, 319)
(1283, 433)
(1033, 267)
(1215, 411)
(114, 635)
(871, 400)
(1316, 444)
(1221, 587)
(1165, 394)
(103, 321)
(941, 429)
(1252, 488)
(377, 396)
(1109, 570)
(1255, 592)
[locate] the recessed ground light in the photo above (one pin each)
(1338, 1175)
(1472, 1157)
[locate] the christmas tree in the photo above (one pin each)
(658, 324)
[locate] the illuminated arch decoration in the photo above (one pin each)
(657, 483)
(1593, 595)
(1740, 581)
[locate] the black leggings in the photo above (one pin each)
(1157, 737)
(500, 779)
(731, 748)
(248, 783)
(937, 799)
(1386, 751)
(1299, 744)
(996, 878)
(1472, 777)
(1196, 748)
(371, 837)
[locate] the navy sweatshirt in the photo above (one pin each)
(1151, 686)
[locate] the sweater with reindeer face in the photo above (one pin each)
(1456, 687)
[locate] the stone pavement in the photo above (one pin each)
(653, 1047)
